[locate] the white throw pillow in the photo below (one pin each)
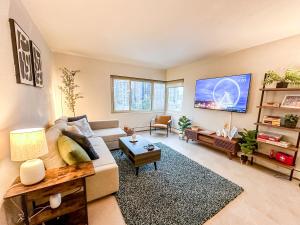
(73, 129)
(83, 126)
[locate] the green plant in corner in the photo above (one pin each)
(291, 76)
(248, 141)
(69, 87)
(183, 124)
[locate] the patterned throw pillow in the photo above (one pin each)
(83, 126)
(71, 152)
(83, 142)
(73, 129)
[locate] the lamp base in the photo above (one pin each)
(32, 171)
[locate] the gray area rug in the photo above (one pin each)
(181, 191)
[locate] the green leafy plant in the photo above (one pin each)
(248, 141)
(290, 76)
(291, 120)
(69, 87)
(184, 123)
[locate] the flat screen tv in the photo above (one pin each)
(228, 93)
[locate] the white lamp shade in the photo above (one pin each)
(28, 144)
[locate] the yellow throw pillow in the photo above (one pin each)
(71, 152)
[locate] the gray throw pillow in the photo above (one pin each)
(75, 118)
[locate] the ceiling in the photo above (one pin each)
(161, 33)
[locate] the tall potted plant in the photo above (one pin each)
(248, 143)
(290, 76)
(69, 87)
(183, 124)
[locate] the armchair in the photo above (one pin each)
(161, 122)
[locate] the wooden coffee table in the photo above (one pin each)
(138, 154)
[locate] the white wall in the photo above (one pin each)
(95, 85)
(21, 106)
(277, 55)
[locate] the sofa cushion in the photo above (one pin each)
(83, 126)
(73, 129)
(84, 142)
(71, 152)
(102, 150)
(110, 134)
(53, 158)
(75, 118)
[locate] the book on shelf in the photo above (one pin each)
(269, 136)
(272, 120)
(283, 144)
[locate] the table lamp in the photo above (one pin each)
(27, 145)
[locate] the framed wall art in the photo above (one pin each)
(36, 65)
(21, 53)
(291, 101)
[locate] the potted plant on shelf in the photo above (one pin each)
(248, 143)
(183, 124)
(291, 120)
(290, 76)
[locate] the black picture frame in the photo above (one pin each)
(36, 65)
(22, 54)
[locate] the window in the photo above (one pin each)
(133, 94)
(121, 95)
(140, 96)
(175, 97)
(159, 90)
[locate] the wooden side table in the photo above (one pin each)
(69, 181)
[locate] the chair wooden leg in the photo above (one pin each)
(167, 132)
(150, 129)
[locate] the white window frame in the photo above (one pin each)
(116, 77)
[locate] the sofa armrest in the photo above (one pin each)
(103, 124)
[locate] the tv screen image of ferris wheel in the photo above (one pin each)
(229, 93)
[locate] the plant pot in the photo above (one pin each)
(181, 136)
(282, 85)
(290, 124)
(244, 158)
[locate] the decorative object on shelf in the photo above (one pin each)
(183, 124)
(291, 120)
(272, 104)
(36, 65)
(129, 131)
(21, 53)
(69, 88)
(272, 120)
(219, 133)
(248, 143)
(291, 101)
(232, 133)
(29, 144)
(195, 128)
(284, 158)
(272, 154)
(266, 135)
(291, 76)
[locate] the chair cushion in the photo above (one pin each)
(83, 126)
(110, 134)
(160, 125)
(83, 142)
(53, 158)
(162, 119)
(102, 150)
(71, 152)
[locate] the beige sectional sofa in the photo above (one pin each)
(106, 137)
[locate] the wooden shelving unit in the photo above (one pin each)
(292, 148)
(277, 108)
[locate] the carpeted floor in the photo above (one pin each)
(181, 191)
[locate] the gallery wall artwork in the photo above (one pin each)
(36, 65)
(22, 54)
